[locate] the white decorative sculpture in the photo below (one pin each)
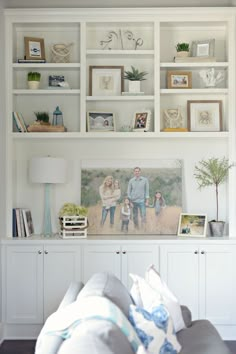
(210, 78)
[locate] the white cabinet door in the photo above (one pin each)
(101, 258)
(62, 265)
(179, 267)
(217, 283)
(24, 284)
(136, 258)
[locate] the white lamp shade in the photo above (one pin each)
(47, 170)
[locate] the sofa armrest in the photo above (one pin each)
(71, 294)
(187, 315)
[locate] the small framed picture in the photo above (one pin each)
(192, 225)
(205, 48)
(55, 80)
(141, 121)
(100, 121)
(106, 80)
(179, 79)
(204, 116)
(34, 48)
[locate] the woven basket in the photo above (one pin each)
(60, 53)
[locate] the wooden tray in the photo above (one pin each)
(45, 128)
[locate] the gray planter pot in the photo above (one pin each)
(217, 228)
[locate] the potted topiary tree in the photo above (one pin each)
(213, 172)
(182, 49)
(33, 80)
(135, 77)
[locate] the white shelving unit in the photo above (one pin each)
(89, 31)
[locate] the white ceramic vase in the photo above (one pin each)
(33, 85)
(134, 86)
(182, 54)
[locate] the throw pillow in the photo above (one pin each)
(155, 329)
(171, 302)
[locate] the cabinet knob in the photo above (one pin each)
(117, 252)
(46, 252)
(202, 252)
(39, 252)
(124, 252)
(195, 252)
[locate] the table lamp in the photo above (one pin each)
(47, 170)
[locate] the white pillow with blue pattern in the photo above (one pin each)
(155, 329)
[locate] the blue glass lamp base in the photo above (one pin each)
(47, 227)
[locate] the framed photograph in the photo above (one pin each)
(192, 225)
(55, 80)
(100, 121)
(179, 79)
(106, 80)
(204, 116)
(141, 121)
(109, 191)
(205, 48)
(34, 48)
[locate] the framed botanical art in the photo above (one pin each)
(34, 48)
(204, 115)
(109, 191)
(141, 121)
(179, 79)
(204, 48)
(192, 225)
(100, 121)
(106, 80)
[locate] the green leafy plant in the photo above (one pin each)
(34, 76)
(135, 75)
(42, 116)
(70, 209)
(182, 47)
(212, 172)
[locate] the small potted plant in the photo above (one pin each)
(135, 77)
(42, 118)
(33, 80)
(213, 172)
(182, 49)
(73, 221)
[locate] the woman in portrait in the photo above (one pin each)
(110, 193)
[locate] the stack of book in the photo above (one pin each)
(194, 59)
(31, 61)
(18, 122)
(22, 223)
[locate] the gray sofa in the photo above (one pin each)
(103, 337)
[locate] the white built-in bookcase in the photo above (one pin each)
(161, 30)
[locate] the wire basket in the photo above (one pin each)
(60, 53)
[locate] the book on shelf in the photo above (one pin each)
(31, 61)
(19, 122)
(22, 223)
(126, 93)
(194, 59)
(175, 130)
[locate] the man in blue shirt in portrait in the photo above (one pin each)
(138, 194)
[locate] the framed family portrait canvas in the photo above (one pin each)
(141, 121)
(192, 225)
(204, 115)
(179, 79)
(106, 80)
(34, 48)
(100, 121)
(109, 191)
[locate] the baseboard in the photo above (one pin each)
(1, 333)
(227, 332)
(24, 332)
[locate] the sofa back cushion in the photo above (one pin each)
(108, 285)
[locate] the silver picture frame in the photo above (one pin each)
(203, 48)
